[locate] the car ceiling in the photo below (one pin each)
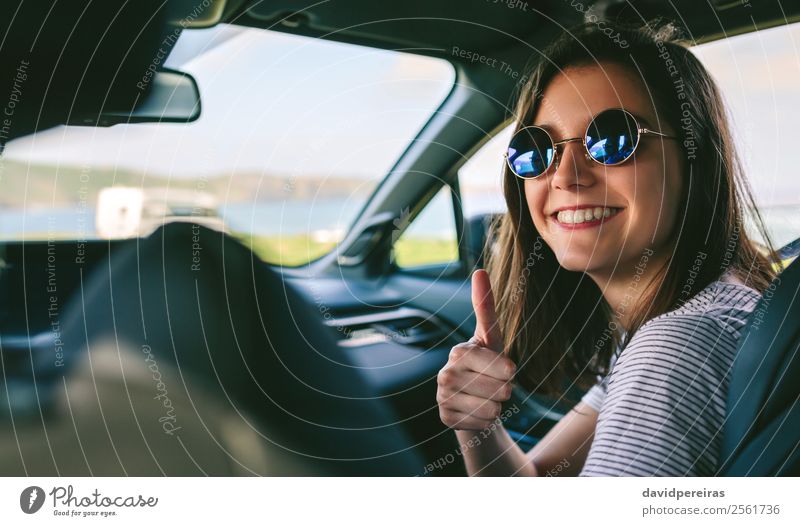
(435, 26)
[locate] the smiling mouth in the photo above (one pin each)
(584, 217)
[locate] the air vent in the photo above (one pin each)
(405, 326)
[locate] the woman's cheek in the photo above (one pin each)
(535, 203)
(649, 208)
(672, 224)
(668, 218)
(541, 225)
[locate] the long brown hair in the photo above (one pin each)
(556, 324)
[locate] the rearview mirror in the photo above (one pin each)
(173, 96)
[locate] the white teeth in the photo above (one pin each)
(585, 214)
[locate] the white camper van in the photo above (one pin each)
(135, 212)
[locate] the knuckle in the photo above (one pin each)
(449, 419)
(509, 367)
(456, 353)
(443, 396)
(446, 377)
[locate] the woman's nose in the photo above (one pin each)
(574, 166)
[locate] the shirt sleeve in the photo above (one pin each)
(596, 394)
(665, 401)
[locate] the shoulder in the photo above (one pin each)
(717, 314)
(666, 395)
(692, 346)
(728, 304)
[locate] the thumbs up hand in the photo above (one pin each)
(487, 330)
(477, 376)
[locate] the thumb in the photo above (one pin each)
(487, 329)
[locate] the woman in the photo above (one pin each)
(623, 257)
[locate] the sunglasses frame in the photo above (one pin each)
(640, 131)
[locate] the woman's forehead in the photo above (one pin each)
(578, 93)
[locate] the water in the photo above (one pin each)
(263, 219)
(270, 218)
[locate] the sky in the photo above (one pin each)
(271, 102)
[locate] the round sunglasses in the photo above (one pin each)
(610, 139)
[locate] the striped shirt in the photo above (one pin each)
(662, 406)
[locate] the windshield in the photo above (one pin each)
(294, 135)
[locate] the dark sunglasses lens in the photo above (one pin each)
(612, 137)
(530, 152)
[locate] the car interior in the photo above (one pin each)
(181, 351)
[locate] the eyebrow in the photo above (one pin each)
(550, 127)
(643, 121)
(545, 125)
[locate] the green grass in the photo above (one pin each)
(416, 251)
(294, 250)
(287, 251)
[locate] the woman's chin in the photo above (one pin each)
(578, 263)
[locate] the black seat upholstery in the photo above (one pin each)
(762, 430)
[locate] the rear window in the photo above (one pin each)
(759, 74)
(295, 134)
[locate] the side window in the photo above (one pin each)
(481, 177)
(480, 181)
(431, 238)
